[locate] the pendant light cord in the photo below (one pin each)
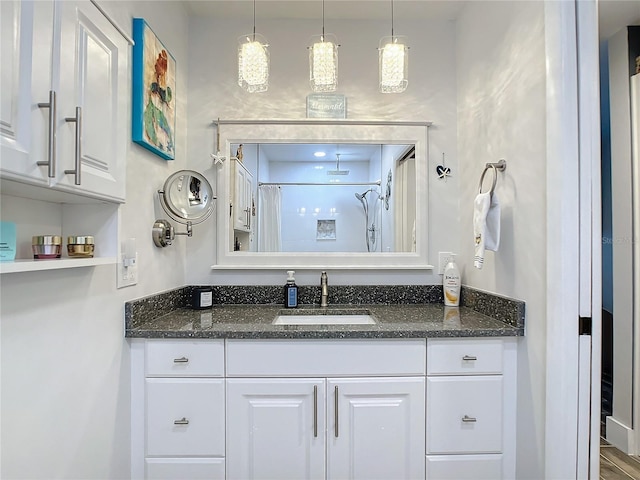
(323, 20)
(392, 20)
(254, 20)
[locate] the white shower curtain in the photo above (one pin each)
(269, 218)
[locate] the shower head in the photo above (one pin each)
(360, 196)
(337, 171)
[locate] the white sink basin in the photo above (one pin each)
(330, 319)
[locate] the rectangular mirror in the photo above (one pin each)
(326, 197)
(361, 204)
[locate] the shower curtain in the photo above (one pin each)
(269, 219)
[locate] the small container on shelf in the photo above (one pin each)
(80, 246)
(46, 247)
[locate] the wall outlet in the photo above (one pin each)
(443, 259)
(127, 264)
(127, 275)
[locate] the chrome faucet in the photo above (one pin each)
(324, 290)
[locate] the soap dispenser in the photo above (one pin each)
(451, 283)
(290, 291)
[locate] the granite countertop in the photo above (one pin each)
(167, 316)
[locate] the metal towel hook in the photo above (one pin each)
(500, 165)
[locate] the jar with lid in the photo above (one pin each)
(81, 246)
(46, 247)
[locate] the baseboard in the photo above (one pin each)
(620, 436)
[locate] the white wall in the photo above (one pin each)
(65, 378)
(431, 96)
(501, 111)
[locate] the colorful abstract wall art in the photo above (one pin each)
(154, 92)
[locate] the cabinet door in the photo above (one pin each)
(27, 56)
(376, 428)
(275, 429)
(185, 417)
(93, 84)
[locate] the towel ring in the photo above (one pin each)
(501, 165)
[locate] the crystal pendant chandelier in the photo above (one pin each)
(323, 61)
(253, 60)
(393, 61)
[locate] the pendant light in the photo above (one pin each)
(253, 60)
(323, 61)
(393, 61)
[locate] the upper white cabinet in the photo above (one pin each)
(64, 99)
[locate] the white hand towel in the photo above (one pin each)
(486, 226)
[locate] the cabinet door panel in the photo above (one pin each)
(173, 401)
(27, 46)
(380, 428)
(270, 429)
(464, 467)
(184, 468)
(95, 79)
(464, 414)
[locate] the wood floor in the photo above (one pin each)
(615, 465)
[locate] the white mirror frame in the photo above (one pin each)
(265, 131)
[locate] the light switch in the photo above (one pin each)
(128, 264)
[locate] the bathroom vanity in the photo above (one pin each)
(225, 393)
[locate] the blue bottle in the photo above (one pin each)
(290, 291)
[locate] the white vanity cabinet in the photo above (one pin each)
(470, 408)
(178, 409)
(347, 421)
(242, 199)
(324, 409)
(64, 101)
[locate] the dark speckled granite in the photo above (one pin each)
(399, 311)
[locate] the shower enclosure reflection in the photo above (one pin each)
(326, 197)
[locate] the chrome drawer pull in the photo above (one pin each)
(182, 421)
(181, 360)
(469, 358)
(51, 155)
(468, 419)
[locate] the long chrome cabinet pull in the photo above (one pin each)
(51, 154)
(181, 360)
(468, 419)
(315, 410)
(335, 402)
(182, 421)
(78, 156)
(469, 358)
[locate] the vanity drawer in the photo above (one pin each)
(184, 358)
(182, 468)
(278, 358)
(464, 467)
(464, 414)
(185, 417)
(464, 356)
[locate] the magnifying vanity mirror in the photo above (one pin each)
(321, 196)
(187, 197)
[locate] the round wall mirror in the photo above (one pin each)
(187, 197)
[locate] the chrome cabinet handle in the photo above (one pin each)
(51, 154)
(468, 419)
(78, 155)
(181, 360)
(469, 358)
(182, 421)
(335, 403)
(315, 410)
